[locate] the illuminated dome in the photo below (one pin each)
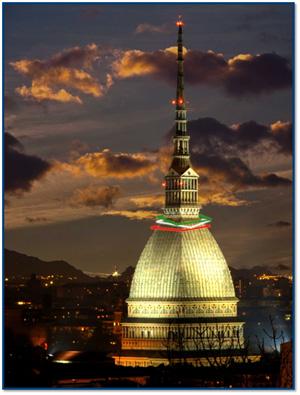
(183, 266)
(182, 288)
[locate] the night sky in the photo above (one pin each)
(88, 120)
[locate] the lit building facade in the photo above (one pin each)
(182, 303)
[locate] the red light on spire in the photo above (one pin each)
(180, 100)
(179, 22)
(163, 184)
(173, 101)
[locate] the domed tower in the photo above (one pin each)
(182, 303)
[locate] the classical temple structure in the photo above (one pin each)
(182, 304)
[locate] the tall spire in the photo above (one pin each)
(180, 102)
(181, 155)
(181, 180)
(180, 83)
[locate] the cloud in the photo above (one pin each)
(95, 196)
(220, 196)
(241, 75)
(208, 134)
(234, 172)
(218, 153)
(41, 92)
(32, 220)
(131, 63)
(280, 224)
(72, 69)
(283, 135)
(77, 148)
(148, 201)
(51, 78)
(21, 169)
(149, 28)
(134, 214)
(107, 164)
(257, 74)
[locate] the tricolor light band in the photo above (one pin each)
(184, 225)
(166, 224)
(201, 219)
(173, 229)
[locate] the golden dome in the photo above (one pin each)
(182, 266)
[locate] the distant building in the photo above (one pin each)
(182, 303)
(116, 273)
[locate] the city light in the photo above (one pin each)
(22, 303)
(272, 277)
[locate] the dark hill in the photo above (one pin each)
(248, 273)
(21, 265)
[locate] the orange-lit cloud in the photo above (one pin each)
(41, 92)
(217, 156)
(243, 74)
(136, 215)
(218, 195)
(282, 133)
(148, 201)
(95, 196)
(134, 63)
(223, 174)
(107, 164)
(241, 57)
(65, 70)
(32, 220)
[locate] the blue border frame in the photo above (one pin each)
(294, 195)
(292, 5)
(3, 186)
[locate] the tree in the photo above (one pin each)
(175, 342)
(271, 358)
